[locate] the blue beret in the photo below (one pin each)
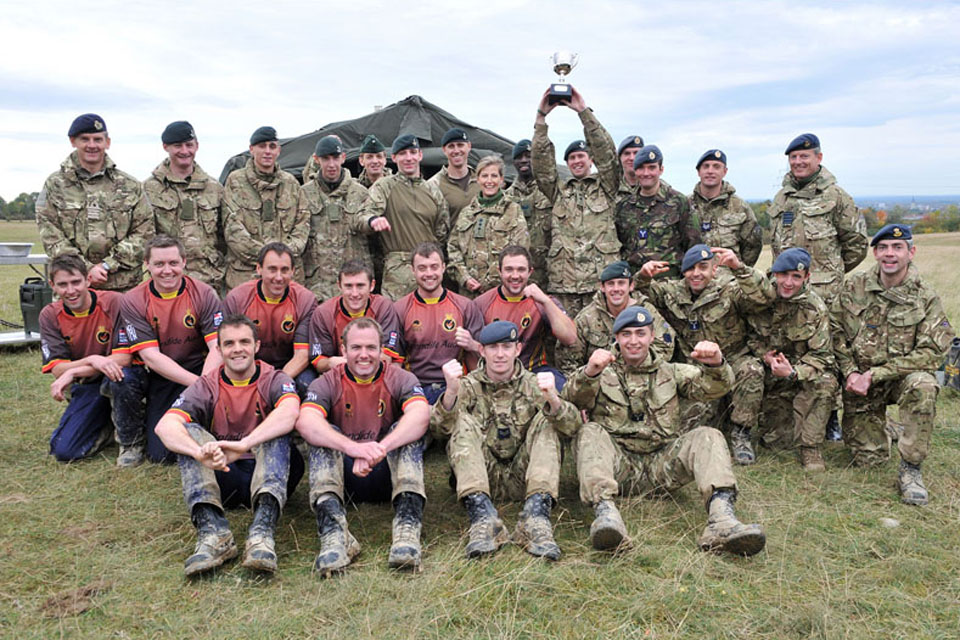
(803, 141)
(892, 232)
(406, 141)
(630, 142)
(618, 269)
(576, 145)
(696, 253)
(179, 131)
(328, 146)
(499, 331)
(647, 154)
(87, 123)
(264, 134)
(455, 134)
(713, 154)
(632, 317)
(795, 259)
(521, 147)
(371, 144)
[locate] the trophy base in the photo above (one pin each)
(560, 92)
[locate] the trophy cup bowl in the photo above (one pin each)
(563, 64)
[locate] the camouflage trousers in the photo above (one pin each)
(398, 278)
(573, 303)
(406, 471)
(269, 476)
(796, 413)
(483, 462)
(606, 469)
(741, 406)
(864, 419)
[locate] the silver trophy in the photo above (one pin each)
(563, 64)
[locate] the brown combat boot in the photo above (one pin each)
(405, 552)
(725, 533)
(338, 547)
(811, 460)
(607, 531)
(534, 530)
(260, 551)
(215, 543)
(487, 532)
(910, 483)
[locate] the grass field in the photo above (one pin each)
(89, 551)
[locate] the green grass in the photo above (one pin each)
(88, 536)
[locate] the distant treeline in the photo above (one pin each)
(937, 221)
(20, 208)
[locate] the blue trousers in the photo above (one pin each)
(83, 423)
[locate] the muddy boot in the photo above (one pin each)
(130, 456)
(740, 443)
(725, 533)
(910, 482)
(405, 550)
(607, 531)
(811, 460)
(534, 530)
(487, 533)
(337, 547)
(260, 553)
(833, 432)
(215, 543)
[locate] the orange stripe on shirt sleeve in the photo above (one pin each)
(140, 346)
(315, 406)
(300, 345)
(317, 360)
(393, 355)
(210, 336)
(180, 412)
(412, 400)
(47, 368)
(286, 396)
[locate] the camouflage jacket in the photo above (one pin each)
(365, 180)
(511, 405)
(718, 314)
(821, 218)
(456, 197)
(661, 227)
(797, 327)
(889, 332)
(257, 209)
(335, 234)
(595, 331)
(538, 213)
(640, 407)
(415, 208)
(189, 209)
(477, 237)
(728, 221)
(101, 217)
(583, 238)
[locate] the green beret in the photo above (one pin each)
(371, 145)
(523, 146)
(328, 146)
(696, 253)
(499, 331)
(406, 141)
(618, 269)
(455, 134)
(179, 131)
(634, 316)
(264, 134)
(576, 145)
(87, 123)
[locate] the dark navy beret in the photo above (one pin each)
(794, 259)
(630, 142)
(892, 232)
(713, 154)
(696, 253)
(618, 269)
(454, 135)
(87, 123)
(499, 331)
(634, 316)
(647, 154)
(371, 145)
(523, 146)
(576, 145)
(264, 134)
(406, 141)
(803, 141)
(328, 146)
(179, 131)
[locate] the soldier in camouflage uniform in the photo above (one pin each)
(186, 205)
(710, 305)
(91, 208)
(405, 210)
(725, 219)
(332, 202)
(483, 228)
(260, 206)
(595, 322)
(627, 152)
(583, 238)
(633, 443)
(889, 335)
(456, 180)
(793, 338)
(537, 210)
(655, 222)
(373, 159)
(503, 445)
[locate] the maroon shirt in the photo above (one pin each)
(529, 316)
(364, 410)
(331, 317)
(283, 325)
(66, 335)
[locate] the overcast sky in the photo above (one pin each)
(878, 82)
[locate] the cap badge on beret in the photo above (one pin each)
(704, 254)
(641, 317)
(718, 154)
(513, 334)
(637, 140)
(98, 125)
(896, 232)
(652, 155)
(799, 266)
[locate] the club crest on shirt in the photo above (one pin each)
(288, 325)
(103, 336)
(525, 321)
(347, 409)
(381, 408)
(189, 320)
(449, 323)
(415, 325)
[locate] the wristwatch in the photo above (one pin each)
(105, 266)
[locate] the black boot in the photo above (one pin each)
(534, 530)
(487, 533)
(215, 543)
(338, 547)
(833, 432)
(405, 551)
(260, 551)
